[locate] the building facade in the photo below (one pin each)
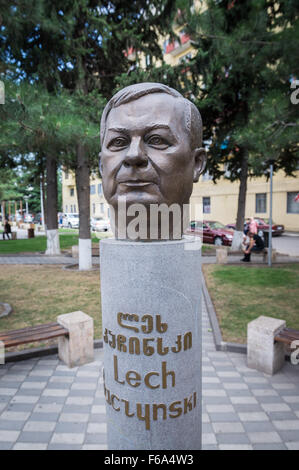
(220, 201)
(98, 204)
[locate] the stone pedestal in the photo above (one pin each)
(77, 349)
(221, 255)
(151, 310)
(262, 353)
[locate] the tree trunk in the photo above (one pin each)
(83, 193)
(238, 234)
(53, 247)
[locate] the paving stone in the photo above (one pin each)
(253, 416)
(24, 399)
(8, 436)
(15, 416)
(67, 438)
(208, 438)
(275, 407)
(292, 445)
(94, 447)
(227, 428)
(265, 446)
(29, 446)
(42, 437)
(235, 447)
(228, 438)
(97, 428)
(258, 426)
(289, 436)
(48, 408)
(39, 426)
(289, 425)
(264, 437)
(11, 425)
(94, 438)
(244, 400)
(74, 417)
(70, 427)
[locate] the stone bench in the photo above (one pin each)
(73, 330)
(266, 341)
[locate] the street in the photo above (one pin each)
(287, 244)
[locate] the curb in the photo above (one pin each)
(40, 352)
(219, 343)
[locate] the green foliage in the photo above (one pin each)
(246, 58)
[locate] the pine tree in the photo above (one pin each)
(79, 46)
(241, 76)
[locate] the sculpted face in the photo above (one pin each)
(146, 152)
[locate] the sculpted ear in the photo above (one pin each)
(100, 164)
(200, 160)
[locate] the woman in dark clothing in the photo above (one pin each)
(7, 230)
(256, 244)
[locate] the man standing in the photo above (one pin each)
(7, 230)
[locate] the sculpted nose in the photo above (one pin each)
(135, 155)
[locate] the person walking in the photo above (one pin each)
(253, 225)
(7, 230)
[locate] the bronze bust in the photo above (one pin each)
(151, 139)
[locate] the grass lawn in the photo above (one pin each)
(39, 243)
(241, 294)
(38, 294)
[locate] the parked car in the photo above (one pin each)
(99, 224)
(70, 220)
(263, 225)
(212, 232)
(28, 218)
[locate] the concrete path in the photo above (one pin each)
(45, 405)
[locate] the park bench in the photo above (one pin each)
(267, 339)
(32, 334)
(287, 336)
(73, 330)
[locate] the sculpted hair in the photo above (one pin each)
(192, 116)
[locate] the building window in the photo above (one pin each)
(292, 204)
(260, 203)
(75, 208)
(72, 192)
(66, 175)
(93, 208)
(102, 208)
(100, 188)
(92, 189)
(71, 208)
(66, 208)
(206, 205)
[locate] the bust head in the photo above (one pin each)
(151, 146)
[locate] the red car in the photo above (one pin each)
(212, 232)
(263, 225)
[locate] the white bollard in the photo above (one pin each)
(77, 349)
(263, 353)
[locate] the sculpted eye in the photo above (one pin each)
(157, 141)
(118, 142)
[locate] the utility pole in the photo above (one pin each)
(270, 215)
(42, 203)
(26, 200)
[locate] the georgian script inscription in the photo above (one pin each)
(147, 346)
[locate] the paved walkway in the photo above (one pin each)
(45, 405)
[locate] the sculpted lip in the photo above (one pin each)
(136, 183)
